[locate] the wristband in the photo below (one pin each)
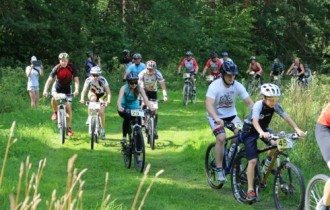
(164, 93)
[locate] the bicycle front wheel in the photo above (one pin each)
(185, 94)
(150, 136)
(210, 167)
(314, 191)
(61, 124)
(289, 187)
(93, 131)
(139, 151)
(193, 95)
(127, 153)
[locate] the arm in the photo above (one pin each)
(248, 101)
(249, 69)
(302, 70)
(195, 66)
(41, 73)
(83, 93)
(210, 109)
(259, 66)
(294, 125)
(204, 71)
(179, 69)
(49, 80)
(108, 91)
(120, 96)
(28, 70)
(145, 98)
(289, 70)
(76, 86)
(163, 86)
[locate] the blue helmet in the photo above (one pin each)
(132, 76)
(224, 54)
(229, 67)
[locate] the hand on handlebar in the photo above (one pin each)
(219, 122)
(265, 135)
(82, 101)
(179, 73)
(45, 94)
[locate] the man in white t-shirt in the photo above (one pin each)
(220, 104)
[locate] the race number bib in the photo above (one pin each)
(137, 113)
(186, 75)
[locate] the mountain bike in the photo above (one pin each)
(288, 188)
(149, 123)
(227, 163)
(188, 92)
(61, 99)
(314, 191)
(135, 145)
(95, 121)
(254, 83)
(276, 79)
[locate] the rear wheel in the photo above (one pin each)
(185, 94)
(139, 151)
(93, 132)
(314, 191)
(289, 187)
(61, 124)
(210, 167)
(150, 135)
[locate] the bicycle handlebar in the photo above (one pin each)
(87, 103)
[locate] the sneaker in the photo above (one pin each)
(102, 132)
(54, 116)
(321, 206)
(123, 141)
(220, 175)
(88, 121)
(251, 195)
(70, 132)
(155, 134)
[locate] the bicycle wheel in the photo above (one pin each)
(93, 131)
(150, 136)
(239, 185)
(289, 187)
(61, 124)
(185, 94)
(139, 151)
(193, 95)
(210, 167)
(127, 153)
(314, 191)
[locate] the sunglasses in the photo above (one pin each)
(133, 83)
(95, 75)
(273, 99)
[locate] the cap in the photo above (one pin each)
(33, 58)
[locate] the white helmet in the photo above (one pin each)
(96, 70)
(270, 90)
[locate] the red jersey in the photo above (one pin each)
(190, 65)
(324, 118)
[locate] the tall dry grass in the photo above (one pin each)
(73, 196)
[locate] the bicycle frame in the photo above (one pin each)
(61, 99)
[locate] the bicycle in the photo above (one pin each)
(135, 145)
(188, 92)
(95, 121)
(314, 191)
(276, 79)
(227, 163)
(61, 99)
(149, 123)
(288, 188)
(254, 83)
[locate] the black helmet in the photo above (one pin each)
(229, 67)
(89, 53)
(126, 51)
(253, 58)
(137, 56)
(132, 76)
(189, 53)
(213, 54)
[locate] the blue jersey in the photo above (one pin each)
(136, 68)
(129, 100)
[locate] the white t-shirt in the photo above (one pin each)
(225, 97)
(98, 86)
(33, 79)
(149, 82)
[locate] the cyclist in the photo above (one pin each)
(308, 75)
(322, 135)
(33, 72)
(99, 90)
(126, 59)
(128, 99)
(214, 63)
(89, 63)
(221, 107)
(225, 57)
(296, 70)
(191, 66)
(255, 67)
(148, 79)
(64, 72)
(137, 65)
(277, 68)
(256, 125)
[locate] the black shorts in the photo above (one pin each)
(322, 135)
(151, 94)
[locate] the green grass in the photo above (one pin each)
(184, 136)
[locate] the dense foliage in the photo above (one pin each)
(164, 29)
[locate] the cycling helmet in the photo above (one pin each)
(253, 58)
(132, 76)
(189, 53)
(276, 60)
(126, 51)
(89, 53)
(224, 54)
(270, 90)
(63, 55)
(96, 70)
(229, 67)
(151, 65)
(213, 54)
(306, 65)
(137, 56)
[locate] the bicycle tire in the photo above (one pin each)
(239, 184)
(286, 193)
(139, 153)
(151, 137)
(127, 153)
(193, 95)
(61, 117)
(185, 94)
(314, 191)
(210, 167)
(93, 132)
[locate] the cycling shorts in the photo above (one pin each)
(322, 135)
(151, 94)
(65, 91)
(217, 129)
(99, 96)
